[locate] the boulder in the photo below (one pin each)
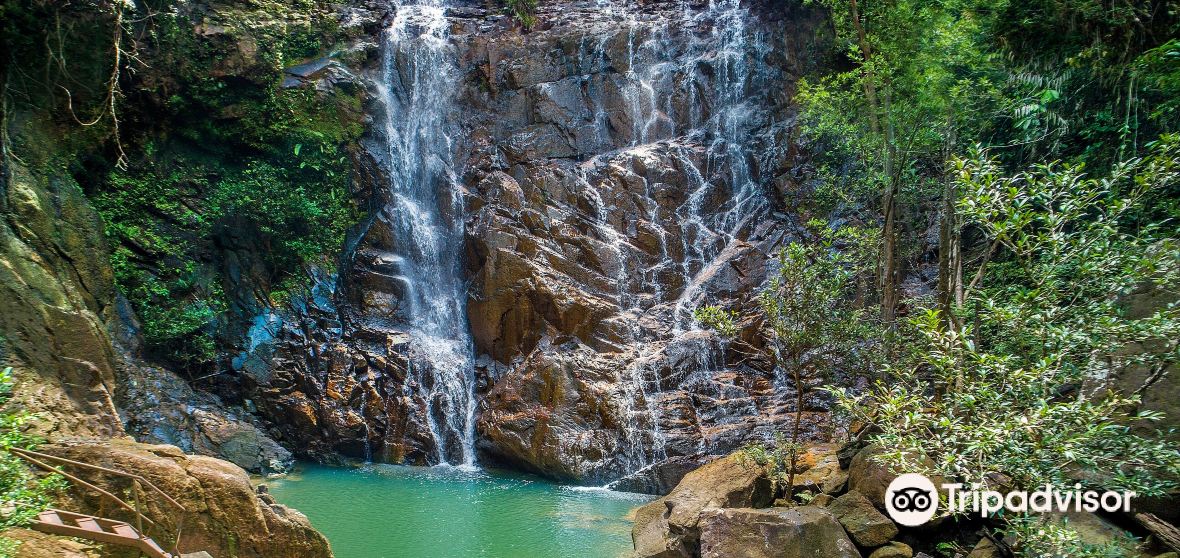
(40, 545)
(985, 548)
(669, 527)
(893, 550)
(160, 408)
(867, 526)
(835, 483)
(820, 468)
(223, 515)
(868, 477)
(799, 532)
(822, 500)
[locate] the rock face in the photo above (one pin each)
(160, 408)
(619, 165)
(798, 532)
(65, 333)
(670, 526)
(604, 212)
(56, 294)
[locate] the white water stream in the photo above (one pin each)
(419, 78)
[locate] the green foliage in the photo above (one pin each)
(208, 143)
(525, 11)
(1043, 537)
(777, 457)
(920, 75)
(724, 322)
(811, 326)
(24, 494)
(242, 158)
(810, 317)
(1013, 384)
(162, 223)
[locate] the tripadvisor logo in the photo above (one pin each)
(912, 500)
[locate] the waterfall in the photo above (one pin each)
(426, 209)
(690, 82)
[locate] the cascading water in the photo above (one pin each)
(688, 83)
(425, 203)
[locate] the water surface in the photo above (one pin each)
(389, 511)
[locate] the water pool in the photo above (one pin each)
(390, 511)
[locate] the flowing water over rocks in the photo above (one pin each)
(549, 207)
(426, 225)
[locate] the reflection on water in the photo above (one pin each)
(388, 511)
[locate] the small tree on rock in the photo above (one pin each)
(810, 325)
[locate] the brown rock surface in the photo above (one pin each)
(56, 290)
(40, 545)
(224, 515)
(670, 526)
(870, 478)
(799, 532)
(867, 526)
(893, 550)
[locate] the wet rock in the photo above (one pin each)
(662, 477)
(798, 532)
(598, 211)
(867, 526)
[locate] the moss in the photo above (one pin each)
(229, 153)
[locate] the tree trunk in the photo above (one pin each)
(950, 257)
(870, 85)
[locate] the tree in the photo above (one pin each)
(1016, 391)
(887, 126)
(809, 321)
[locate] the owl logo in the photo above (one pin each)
(911, 500)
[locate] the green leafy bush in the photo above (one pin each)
(24, 494)
(525, 11)
(1013, 383)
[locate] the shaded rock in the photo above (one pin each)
(836, 482)
(799, 532)
(867, 526)
(893, 550)
(822, 500)
(160, 408)
(669, 526)
(660, 478)
(985, 548)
